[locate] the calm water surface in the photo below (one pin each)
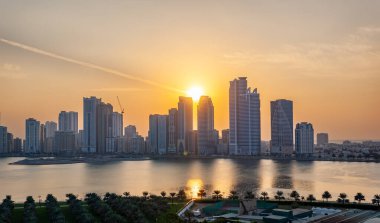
(171, 175)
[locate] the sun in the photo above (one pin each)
(195, 92)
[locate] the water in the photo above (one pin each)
(170, 175)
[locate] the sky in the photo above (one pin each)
(324, 55)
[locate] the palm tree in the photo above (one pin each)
(326, 196)
(202, 193)
(311, 198)
(163, 194)
(279, 195)
(359, 197)
(172, 195)
(264, 195)
(249, 195)
(126, 194)
(295, 195)
(342, 198)
(376, 199)
(233, 195)
(145, 194)
(217, 195)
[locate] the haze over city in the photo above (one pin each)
(323, 55)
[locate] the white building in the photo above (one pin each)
(245, 126)
(304, 139)
(32, 136)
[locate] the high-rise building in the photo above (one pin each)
(185, 123)
(17, 145)
(245, 126)
(68, 121)
(89, 124)
(206, 136)
(3, 139)
(281, 127)
(10, 145)
(50, 129)
(193, 143)
(322, 139)
(64, 142)
(105, 142)
(304, 142)
(32, 136)
(226, 136)
(130, 131)
(173, 130)
(42, 138)
(158, 133)
(117, 124)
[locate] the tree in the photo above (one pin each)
(163, 193)
(172, 195)
(201, 193)
(126, 194)
(145, 194)
(295, 195)
(279, 195)
(376, 199)
(181, 194)
(233, 195)
(359, 197)
(326, 196)
(342, 198)
(249, 195)
(264, 195)
(311, 198)
(217, 195)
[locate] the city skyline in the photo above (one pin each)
(295, 60)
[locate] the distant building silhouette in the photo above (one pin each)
(90, 124)
(192, 139)
(130, 131)
(64, 142)
(105, 142)
(10, 145)
(206, 133)
(17, 145)
(185, 123)
(245, 126)
(158, 133)
(117, 124)
(3, 139)
(281, 127)
(32, 136)
(304, 139)
(50, 128)
(68, 121)
(173, 130)
(322, 139)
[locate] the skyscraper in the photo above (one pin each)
(105, 142)
(206, 136)
(173, 130)
(281, 127)
(322, 139)
(3, 139)
(158, 133)
(117, 124)
(245, 126)
(130, 131)
(304, 142)
(10, 145)
(50, 128)
(32, 136)
(185, 123)
(89, 124)
(17, 145)
(68, 121)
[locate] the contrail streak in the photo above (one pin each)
(86, 64)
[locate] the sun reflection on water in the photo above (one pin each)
(194, 185)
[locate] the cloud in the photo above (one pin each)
(11, 67)
(119, 89)
(354, 53)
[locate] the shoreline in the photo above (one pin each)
(105, 159)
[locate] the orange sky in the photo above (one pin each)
(317, 53)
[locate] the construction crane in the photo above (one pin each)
(121, 107)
